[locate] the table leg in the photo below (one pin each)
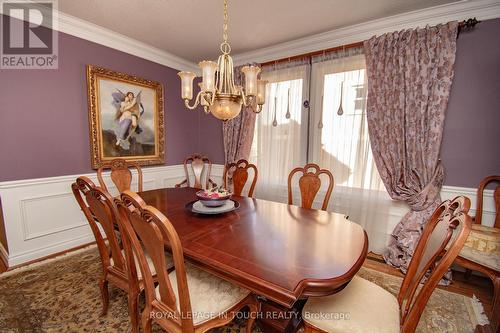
(495, 314)
(275, 318)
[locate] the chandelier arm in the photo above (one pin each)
(212, 97)
(247, 100)
(196, 102)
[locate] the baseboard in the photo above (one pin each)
(36, 254)
(51, 256)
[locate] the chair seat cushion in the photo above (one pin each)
(484, 239)
(361, 306)
(210, 296)
(490, 260)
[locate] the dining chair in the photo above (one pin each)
(372, 308)
(198, 163)
(100, 210)
(238, 173)
(187, 299)
(120, 175)
(310, 184)
(487, 263)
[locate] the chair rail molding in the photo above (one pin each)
(460, 10)
(41, 215)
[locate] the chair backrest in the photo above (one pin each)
(310, 184)
(120, 174)
(442, 239)
(197, 163)
(239, 176)
(496, 196)
(98, 207)
(146, 231)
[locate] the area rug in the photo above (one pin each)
(62, 295)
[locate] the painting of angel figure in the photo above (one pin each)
(129, 109)
(126, 118)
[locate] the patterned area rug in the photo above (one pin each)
(62, 295)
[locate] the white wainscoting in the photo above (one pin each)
(42, 217)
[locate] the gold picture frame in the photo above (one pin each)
(126, 118)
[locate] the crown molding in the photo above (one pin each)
(77, 27)
(97, 34)
(482, 9)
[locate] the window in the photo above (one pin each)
(280, 137)
(288, 135)
(318, 134)
(340, 142)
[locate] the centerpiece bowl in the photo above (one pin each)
(213, 198)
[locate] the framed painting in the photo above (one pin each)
(126, 118)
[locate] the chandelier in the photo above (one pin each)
(218, 94)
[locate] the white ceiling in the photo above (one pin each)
(192, 29)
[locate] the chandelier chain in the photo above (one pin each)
(226, 18)
(225, 47)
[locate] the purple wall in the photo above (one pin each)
(44, 126)
(44, 119)
(471, 141)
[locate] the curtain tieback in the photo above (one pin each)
(428, 195)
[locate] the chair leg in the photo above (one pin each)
(133, 311)
(146, 322)
(495, 314)
(308, 329)
(252, 309)
(103, 285)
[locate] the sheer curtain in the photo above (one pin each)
(288, 134)
(280, 137)
(339, 142)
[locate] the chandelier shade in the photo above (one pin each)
(218, 94)
(187, 84)
(261, 91)
(208, 69)
(251, 73)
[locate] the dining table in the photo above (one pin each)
(282, 253)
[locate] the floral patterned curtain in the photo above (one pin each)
(409, 77)
(238, 132)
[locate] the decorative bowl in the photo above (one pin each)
(212, 199)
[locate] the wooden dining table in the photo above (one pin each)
(282, 253)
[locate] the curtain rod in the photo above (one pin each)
(462, 26)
